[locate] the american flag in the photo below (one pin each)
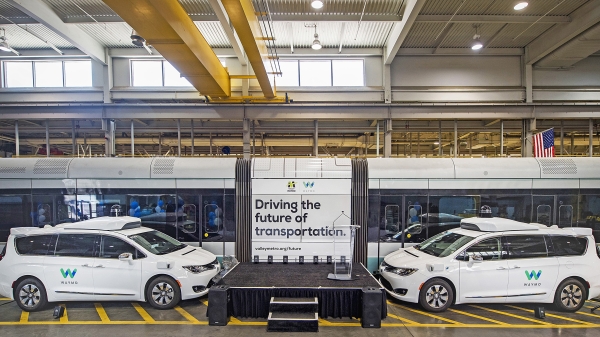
(543, 144)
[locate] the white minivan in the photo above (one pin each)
(107, 258)
(494, 260)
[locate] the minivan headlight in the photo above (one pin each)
(401, 271)
(199, 269)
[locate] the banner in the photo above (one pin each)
(296, 217)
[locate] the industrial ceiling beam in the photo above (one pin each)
(246, 24)
(42, 13)
(401, 29)
(167, 27)
(493, 19)
(217, 7)
(583, 18)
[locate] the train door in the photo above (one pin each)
(543, 208)
(553, 210)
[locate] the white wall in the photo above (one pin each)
(583, 74)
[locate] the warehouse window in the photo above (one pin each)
(156, 73)
(321, 73)
(47, 74)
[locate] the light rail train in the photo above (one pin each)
(194, 199)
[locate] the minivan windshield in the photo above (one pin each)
(157, 243)
(444, 244)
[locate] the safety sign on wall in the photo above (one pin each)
(296, 217)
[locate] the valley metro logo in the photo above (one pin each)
(533, 275)
(68, 272)
(309, 184)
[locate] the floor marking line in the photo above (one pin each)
(204, 301)
(24, 317)
(552, 315)
(186, 314)
(588, 314)
(324, 322)
(145, 315)
(101, 312)
(428, 314)
(235, 321)
(5, 299)
(65, 317)
(511, 315)
(403, 319)
(478, 317)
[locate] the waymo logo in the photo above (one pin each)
(68, 273)
(533, 275)
(309, 184)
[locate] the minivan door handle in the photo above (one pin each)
(85, 265)
(516, 267)
(99, 266)
(500, 268)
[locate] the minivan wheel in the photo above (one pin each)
(30, 295)
(436, 295)
(570, 295)
(163, 293)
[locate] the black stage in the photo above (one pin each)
(251, 287)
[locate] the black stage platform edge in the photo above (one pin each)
(251, 287)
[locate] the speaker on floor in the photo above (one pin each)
(59, 311)
(218, 304)
(372, 299)
(539, 312)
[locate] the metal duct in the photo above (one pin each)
(360, 207)
(573, 51)
(243, 203)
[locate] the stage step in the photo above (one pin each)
(288, 314)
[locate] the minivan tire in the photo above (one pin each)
(163, 293)
(30, 295)
(570, 295)
(436, 295)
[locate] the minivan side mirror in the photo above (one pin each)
(126, 257)
(475, 258)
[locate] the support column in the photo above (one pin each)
(572, 144)
(47, 139)
(73, 139)
(502, 138)
(246, 138)
(591, 137)
(526, 137)
(160, 144)
(316, 139)
(562, 137)
(210, 143)
(17, 146)
(367, 142)
(192, 135)
(387, 140)
(178, 138)
(108, 126)
(245, 82)
(387, 83)
(253, 139)
(377, 139)
(528, 83)
(455, 138)
(440, 153)
(107, 77)
(132, 140)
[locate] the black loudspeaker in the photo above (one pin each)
(539, 312)
(59, 311)
(255, 258)
(315, 259)
(372, 299)
(218, 304)
(301, 259)
(285, 259)
(270, 259)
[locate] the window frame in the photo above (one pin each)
(138, 253)
(95, 251)
(50, 244)
(5, 73)
(505, 243)
(162, 74)
(463, 254)
(33, 74)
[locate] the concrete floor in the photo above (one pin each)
(139, 319)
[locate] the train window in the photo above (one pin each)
(54, 208)
(514, 207)
(15, 210)
(446, 212)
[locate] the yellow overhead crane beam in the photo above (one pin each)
(167, 27)
(243, 18)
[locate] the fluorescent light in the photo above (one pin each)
(436, 143)
(316, 43)
(477, 44)
(4, 46)
(521, 5)
(317, 4)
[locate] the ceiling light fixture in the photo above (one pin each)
(477, 44)
(316, 45)
(317, 4)
(521, 5)
(4, 44)
(139, 41)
